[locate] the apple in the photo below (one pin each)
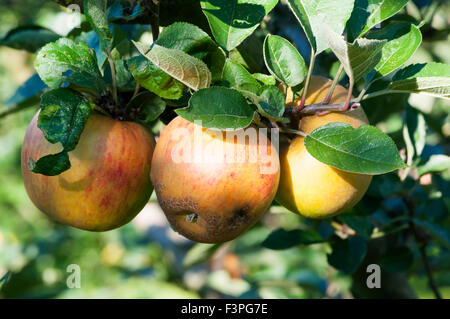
(212, 185)
(108, 183)
(308, 186)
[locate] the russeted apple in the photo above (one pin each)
(108, 183)
(308, 186)
(213, 185)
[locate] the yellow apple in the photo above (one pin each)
(308, 186)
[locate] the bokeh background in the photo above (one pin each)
(147, 259)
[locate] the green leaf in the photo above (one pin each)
(398, 259)
(93, 42)
(63, 60)
(190, 71)
(195, 42)
(28, 92)
(149, 105)
(199, 253)
(312, 15)
(249, 54)
(358, 58)
(381, 10)
(272, 105)
(64, 113)
(265, 79)
(403, 40)
(284, 61)
(154, 79)
(233, 21)
(218, 108)
(50, 165)
(347, 254)
(237, 77)
(361, 225)
(29, 38)
(281, 239)
(365, 150)
(427, 78)
(371, 12)
(442, 233)
(414, 135)
(436, 163)
(96, 14)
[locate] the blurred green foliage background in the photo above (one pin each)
(147, 259)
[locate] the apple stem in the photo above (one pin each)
(320, 108)
(333, 85)
(349, 95)
(14, 109)
(292, 131)
(308, 79)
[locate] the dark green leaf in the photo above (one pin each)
(64, 60)
(154, 79)
(365, 150)
(313, 15)
(149, 106)
(218, 108)
(347, 254)
(30, 38)
(237, 77)
(361, 225)
(50, 165)
(116, 12)
(63, 115)
(233, 21)
(442, 233)
(273, 103)
(282, 239)
(284, 61)
(398, 259)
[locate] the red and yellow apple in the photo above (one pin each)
(209, 185)
(108, 183)
(308, 186)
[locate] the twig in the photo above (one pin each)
(308, 79)
(154, 10)
(422, 243)
(333, 85)
(15, 109)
